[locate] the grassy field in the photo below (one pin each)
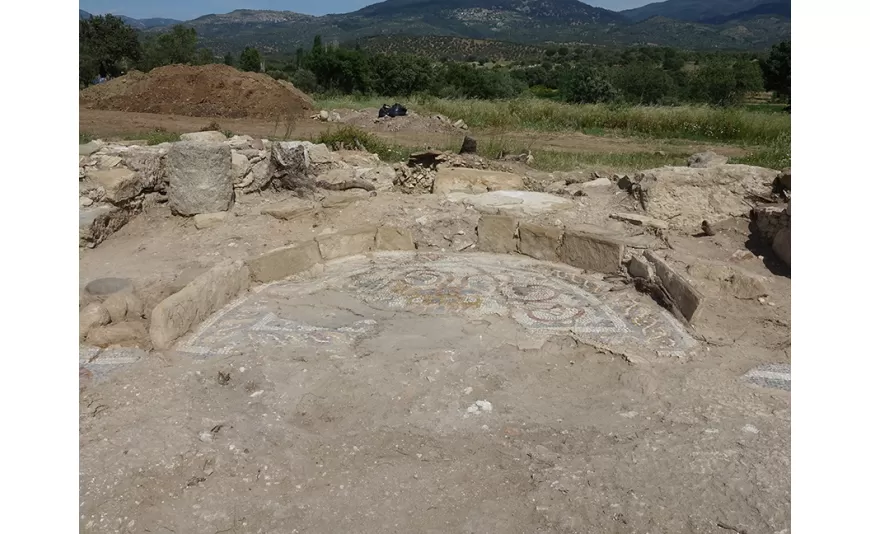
(763, 132)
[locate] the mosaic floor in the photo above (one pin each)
(543, 299)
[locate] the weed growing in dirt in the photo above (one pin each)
(775, 155)
(353, 138)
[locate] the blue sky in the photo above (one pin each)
(190, 9)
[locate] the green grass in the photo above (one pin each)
(730, 125)
(774, 155)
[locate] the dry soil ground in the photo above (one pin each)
(349, 409)
(115, 123)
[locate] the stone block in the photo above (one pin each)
(686, 298)
(782, 245)
(206, 294)
(591, 252)
(283, 262)
(540, 242)
(204, 137)
(462, 180)
(389, 238)
(125, 334)
(290, 209)
(347, 243)
(497, 233)
(200, 178)
(120, 184)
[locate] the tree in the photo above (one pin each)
(777, 69)
(715, 84)
(304, 80)
(177, 46)
(229, 59)
(563, 51)
(644, 83)
(204, 56)
(317, 46)
(107, 47)
(587, 85)
(250, 60)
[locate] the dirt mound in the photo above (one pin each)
(412, 122)
(207, 91)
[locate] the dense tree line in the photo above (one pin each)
(640, 75)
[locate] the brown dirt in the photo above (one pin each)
(112, 124)
(412, 122)
(208, 91)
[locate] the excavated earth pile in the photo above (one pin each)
(206, 91)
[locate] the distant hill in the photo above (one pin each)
(777, 8)
(139, 24)
(691, 10)
(523, 22)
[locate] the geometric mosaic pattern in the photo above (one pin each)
(543, 298)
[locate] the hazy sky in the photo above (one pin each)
(190, 9)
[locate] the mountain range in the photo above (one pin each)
(695, 24)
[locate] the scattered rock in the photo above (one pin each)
(597, 185)
(638, 268)
(460, 124)
(241, 167)
(469, 145)
(85, 202)
(93, 315)
(290, 209)
(703, 160)
(116, 306)
(381, 177)
(103, 287)
(126, 334)
(731, 280)
(204, 137)
(207, 220)
(89, 148)
(707, 229)
(200, 178)
(120, 184)
(323, 115)
(782, 245)
(640, 220)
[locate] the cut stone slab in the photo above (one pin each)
(120, 184)
(344, 199)
(640, 220)
(732, 281)
(591, 252)
(283, 262)
(540, 242)
(347, 243)
(462, 180)
(686, 298)
(207, 220)
(389, 238)
(204, 137)
(211, 291)
(516, 203)
(92, 316)
(200, 178)
(497, 234)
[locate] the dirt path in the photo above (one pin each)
(118, 123)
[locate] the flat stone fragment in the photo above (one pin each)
(289, 209)
(517, 203)
(283, 262)
(497, 233)
(214, 289)
(207, 220)
(591, 252)
(540, 242)
(204, 137)
(775, 375)
(389, 238)
(347, 243)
